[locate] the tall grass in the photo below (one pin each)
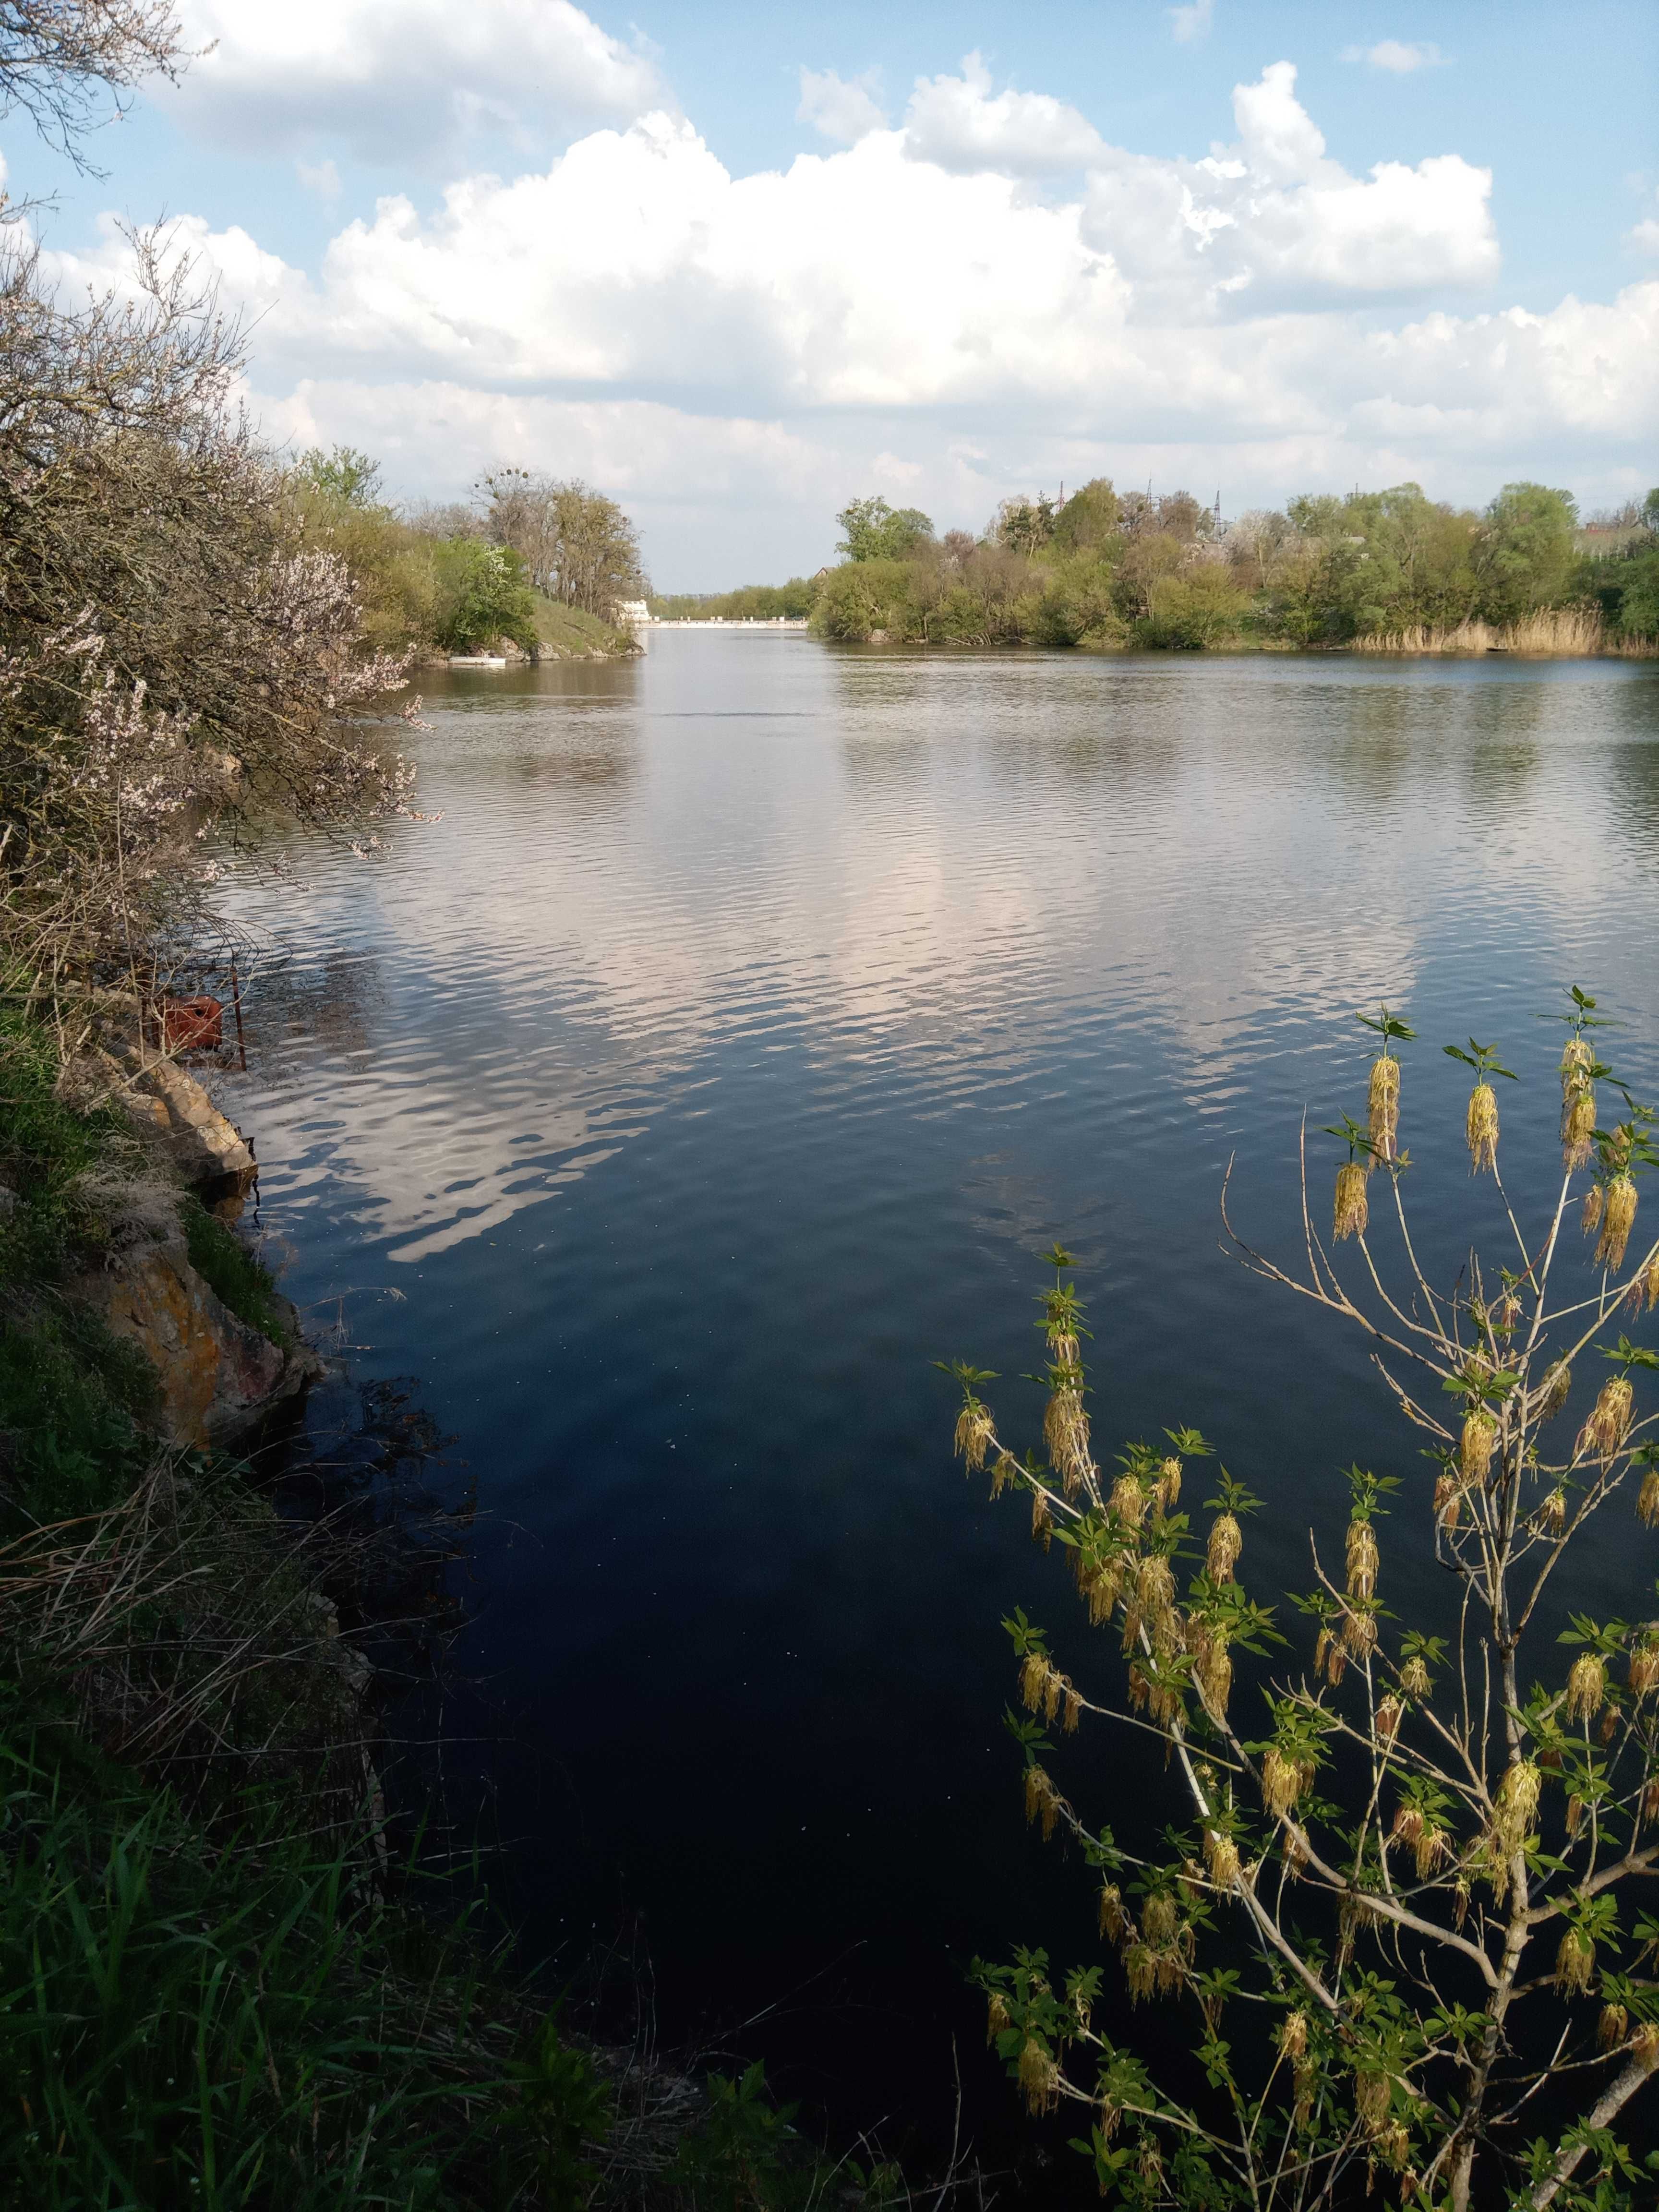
(1548, 632)
(239, 2023)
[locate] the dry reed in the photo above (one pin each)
(1547, 632)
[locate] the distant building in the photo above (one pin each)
(632, 612)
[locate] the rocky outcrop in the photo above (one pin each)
(217, 1376)
(168, 1105)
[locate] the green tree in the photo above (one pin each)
(1090, 521)
(577, 545)
(482, 594)
(1524, 552)
(342, 473)
(1637, 609)
(1148, 556)
(1422, 556)
(862, 597)
(1024, 525)
(1320, 515)
(1198, 607)
(1077, 605)
(874, 531)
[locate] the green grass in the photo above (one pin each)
(45, 1145)
(574, 631)
(241, 1279)
(187, 2020)
(73, 1398)
(73, 1403)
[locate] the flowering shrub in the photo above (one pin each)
(1401, 1899)
(169, 662)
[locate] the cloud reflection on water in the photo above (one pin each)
(938, 878)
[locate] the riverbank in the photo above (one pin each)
(208, 1984)
(1570, 634)
(224, 1978)
(569, 634)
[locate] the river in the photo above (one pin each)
(754, 1016)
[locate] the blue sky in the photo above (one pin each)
(1035, 267)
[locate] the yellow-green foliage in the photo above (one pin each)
(393, 565)
(1194, 608)
(435, 592)
(863, 598)
(1102, 569)
(455, 594)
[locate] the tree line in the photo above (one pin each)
(1389, 569)
(460, 577)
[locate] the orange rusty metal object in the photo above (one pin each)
(191, 1024)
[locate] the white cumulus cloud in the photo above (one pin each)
(949, 309)
(1280, 138)
(1273, 219)
(408, 80)
(841, 109)
(1397, 56)
(960, 124)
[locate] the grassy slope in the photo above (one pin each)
(574, 633)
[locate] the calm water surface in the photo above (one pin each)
(755, 1015)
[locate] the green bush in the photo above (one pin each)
(862, 597)
(1637, 614)
(481, 595)
(238, 1277)
(1198, 608)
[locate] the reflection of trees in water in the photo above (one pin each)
(510, 690)
(1504, 710)
(1116, 752)
(579, 760)
(580, 743)
(1031, 724)
(887, 764)
(337, 1000)
(1371, 756)
(1496, 775)
(1633, 775)
(1500, 724)
(1377, 739)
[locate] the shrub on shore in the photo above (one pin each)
(1389, 571)
(170, 658)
